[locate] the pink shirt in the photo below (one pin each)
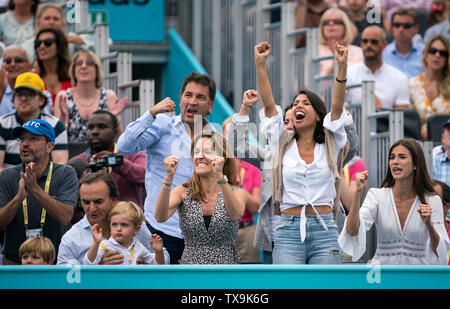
(252, 179)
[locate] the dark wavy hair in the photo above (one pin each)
(422, 182)
(321, 110)
(62, 53)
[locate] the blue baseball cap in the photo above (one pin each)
(37, 127)
(445, 124)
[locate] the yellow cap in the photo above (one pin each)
(31, 81)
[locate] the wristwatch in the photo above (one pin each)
(224, 180)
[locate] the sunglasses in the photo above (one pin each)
(9, 60)
(372, 41)
(442, 52)
(335, 21)
(25, 93)
(404, 25)
(47, 42)
(88, 63)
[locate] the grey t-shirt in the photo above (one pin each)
(63, 188)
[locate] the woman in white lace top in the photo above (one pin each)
(406, 211)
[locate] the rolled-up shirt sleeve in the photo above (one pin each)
(142, 133)
(338, 128)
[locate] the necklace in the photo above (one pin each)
(89, 102)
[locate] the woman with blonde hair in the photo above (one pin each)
(209, 205)
(336, 27)
(430, 91)
(75, 105)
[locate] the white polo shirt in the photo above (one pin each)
(391, 85)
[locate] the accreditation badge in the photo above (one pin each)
(34, 233)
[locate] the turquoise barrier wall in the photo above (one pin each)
(182, 61)
(225, 277)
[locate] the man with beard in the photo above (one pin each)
(38, 197)
(391, 85)
(101, 133)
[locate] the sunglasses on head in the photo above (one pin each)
(335, 21)
(372, 41)
(442, 52)
(9, 60)
(404, 25)
(47, 42)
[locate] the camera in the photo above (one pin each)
(103, 162)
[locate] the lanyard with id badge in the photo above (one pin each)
(37, 232)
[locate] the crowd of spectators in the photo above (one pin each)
(142, 200)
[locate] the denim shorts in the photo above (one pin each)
(320, 246)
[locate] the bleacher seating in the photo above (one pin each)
(434, 127)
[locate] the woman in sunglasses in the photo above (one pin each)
(17, 23)
(52, 55)
(75, 105)
(430, 91)
(336, 27)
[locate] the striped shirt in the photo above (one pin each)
(10, 145)
(441, 168)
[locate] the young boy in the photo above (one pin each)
(125, 220)
(37, 251)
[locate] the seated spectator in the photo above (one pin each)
(402, 53)
(363, 17)
(436, 14)
(75, 105)
(53, 60)
(15, 62)
(126, 219)
(308, 14)
(50, 15)
(389, 7)
(98, 194)
(441, 162)
(17, 23)
(430, 91)
(335, 27)
(29, 99)
(442, 28)
(38, 197)
(102, 130)
(391, 85)
(37, 251)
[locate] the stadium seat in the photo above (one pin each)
(434, 127)
(411, 121)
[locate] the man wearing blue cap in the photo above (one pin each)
(441, 162)
(38, 197)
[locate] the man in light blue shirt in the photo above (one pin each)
(441, 162)
(98, 194)
(162, 136)
(403, 53)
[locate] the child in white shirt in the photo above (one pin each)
(125, 220)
